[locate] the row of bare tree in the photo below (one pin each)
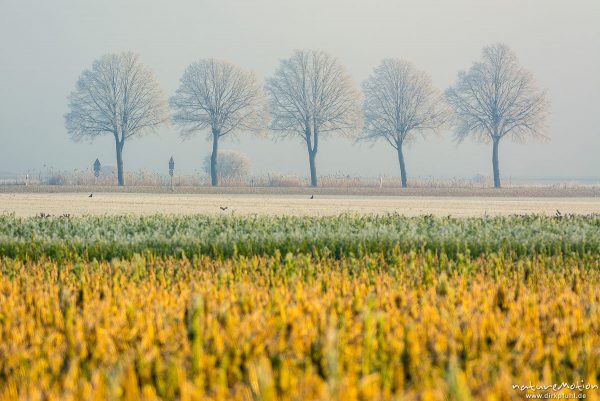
(310, 95)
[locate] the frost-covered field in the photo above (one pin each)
(30, 204)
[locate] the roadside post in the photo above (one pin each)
(171, 171)
(97, 167)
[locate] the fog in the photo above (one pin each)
(45, 45)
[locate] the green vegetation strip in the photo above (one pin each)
(104, 238)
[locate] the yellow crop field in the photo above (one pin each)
(416, 326)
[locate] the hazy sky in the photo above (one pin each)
(44, 46)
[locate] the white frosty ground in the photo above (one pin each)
(124, 203)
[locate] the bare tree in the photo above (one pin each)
(311, 94)
(495, 98)
(119, 96)
(219, 97)
(400, 102)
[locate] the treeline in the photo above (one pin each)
(311, 94)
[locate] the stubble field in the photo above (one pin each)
(32, 204)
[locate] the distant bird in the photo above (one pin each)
(558, 213)
(90, 195)
(223, 207)
(312, 197)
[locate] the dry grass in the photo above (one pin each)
(148, 181)
(516, 192)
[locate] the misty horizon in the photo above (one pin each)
(47, 46)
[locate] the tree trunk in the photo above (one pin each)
(495, 163)
(312, 156)
(402, 166)
(214, 178)
(119, 149)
